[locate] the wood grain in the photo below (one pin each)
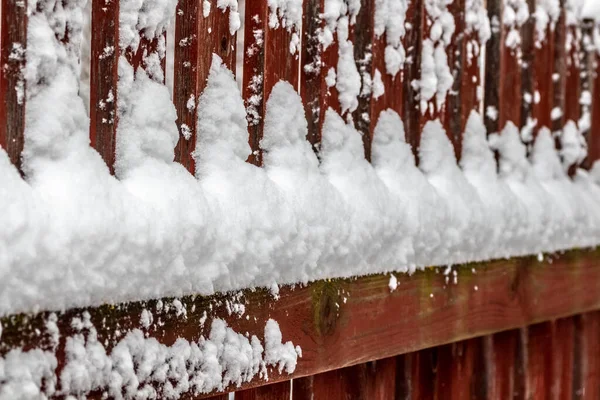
(594, 134)
(371, 323)
(413, 44)
(267, 60)
(103, 80)
(277, 391)
(540, 352)
(13, 38)
(493, 69)
(197, 38)
(590, 356)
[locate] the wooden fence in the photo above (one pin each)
(353, 349)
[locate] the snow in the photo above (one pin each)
(348, 82)
(515, 14)
(235, 21)
(73, 235)
(436, 78)
(546, 15)
(591, 9)
(139, 367)
(390, 16)
(393, 284)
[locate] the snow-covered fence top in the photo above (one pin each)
(368, 137)
(132, 167)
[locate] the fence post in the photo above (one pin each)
(201, 29)
(13, 39)
(272, 53)
(103, 79)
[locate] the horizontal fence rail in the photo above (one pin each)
(522, 328)
(343, 325)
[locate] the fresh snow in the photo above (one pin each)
(74, 235)
(140, 367)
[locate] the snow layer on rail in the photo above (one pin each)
(72, 235)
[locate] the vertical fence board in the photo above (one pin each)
(507, 369)
(564, 373)
(302, 388)
(461, 372)
(559, 60)
(594, 135)
(571, 109)
(362, 37)
(509, 109)
(460, 90)
(277, 391)
(219, 397)
(493, 64)
(590, 356)
(267, 59)
(540, 348)
(381, 379)
(13, 39)
(197, 37)
(103, 79)
(588, 58)
(413, 42)
(393, 96)
(311, 71)
(341, 384)
(543, 71)
(526, 65)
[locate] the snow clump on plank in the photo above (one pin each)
(139, 367)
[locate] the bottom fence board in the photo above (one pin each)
(342, 323)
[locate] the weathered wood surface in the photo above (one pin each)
(344, 322)
(103, 80)
(13, 35)
(277, 391)
(268, 58)
(197, 38)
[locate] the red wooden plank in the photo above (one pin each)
(220, 397)
(540, 348)
(267, 59)
(594, 135)
(311, 79)
(103, 79)
(461, 372)
(588, 55)
(413, 44)
(277, 391)
(572, 109)
(317, 318)
(560, 69)
(363, 38)
(590, 356)
(462, 87)
(493, 69)
(197, 37)
(302, 388)
(509, 101)
(13, 41)
(543, 71)
(381, 379)
(526, 67)
(563, 352)
(506, 365)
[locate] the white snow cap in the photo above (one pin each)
(390, 16)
